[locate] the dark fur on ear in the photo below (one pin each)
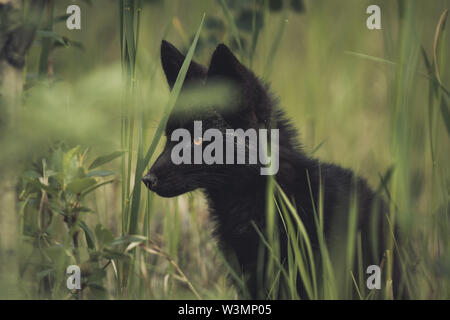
(172, 60)
(253, 103)
(225, 65)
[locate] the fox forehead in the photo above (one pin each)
(185, 120)
(225, 95)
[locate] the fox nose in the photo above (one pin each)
(150, 180)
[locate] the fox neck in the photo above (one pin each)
(240, 196)
(237, 211)
(238, 204)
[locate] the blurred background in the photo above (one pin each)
(75, 139)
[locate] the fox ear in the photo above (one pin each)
(225, 65)
(253, 104)
(172, 60)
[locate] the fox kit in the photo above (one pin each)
(237, 193)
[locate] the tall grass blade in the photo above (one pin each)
(234, 29)
(275, 45)
(173, 96)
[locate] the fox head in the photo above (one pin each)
(246, 105)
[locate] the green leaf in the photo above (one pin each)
(445, 114)
(100, 173)
(69, 157)
(127, 239)
(86, 192)
(52, 35)
(90, 239)
(103, 234)
(105, 159)
(96, 275)
(31, 174)
(114, 254)
(80, 185)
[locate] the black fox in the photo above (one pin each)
(236, 194)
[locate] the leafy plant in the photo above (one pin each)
(54, 196)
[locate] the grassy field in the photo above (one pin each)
(93, 107)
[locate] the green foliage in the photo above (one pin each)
(242, 22)
(53, 194)
(381, 110)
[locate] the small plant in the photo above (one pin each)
(53, 198)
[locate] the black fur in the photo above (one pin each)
(236, 193)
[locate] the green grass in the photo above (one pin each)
(374, 101)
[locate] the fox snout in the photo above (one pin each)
(167, 179)
(150, 180)
(156, 177)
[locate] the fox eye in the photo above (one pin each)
(198, 140)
